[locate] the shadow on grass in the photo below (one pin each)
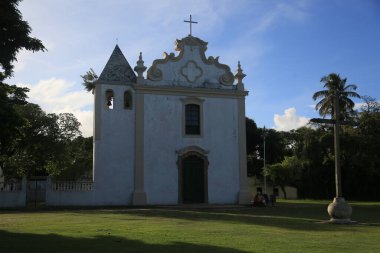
(295, 216)
(25, 242)
(306, 217)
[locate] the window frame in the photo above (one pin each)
(194, 101)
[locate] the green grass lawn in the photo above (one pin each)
(291, 226)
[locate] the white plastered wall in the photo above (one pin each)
(163, 136)
(114, 149)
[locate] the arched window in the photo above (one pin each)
(109, 99)
(127, 100)
(192, 119)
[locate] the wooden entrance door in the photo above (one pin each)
(193, 180)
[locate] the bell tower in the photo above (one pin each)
(114, 131)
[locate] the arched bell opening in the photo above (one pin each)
(127, 100)
(109, 99)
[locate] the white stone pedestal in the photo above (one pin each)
(340, 212)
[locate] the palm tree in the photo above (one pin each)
(335, 86)
(89, 80)
(336, 102)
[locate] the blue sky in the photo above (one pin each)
(285, 47)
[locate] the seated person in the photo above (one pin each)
(259, 200)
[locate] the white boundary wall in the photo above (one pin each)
(253, 183)
(13, 194)
(69, 193)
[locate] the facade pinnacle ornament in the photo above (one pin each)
(140, 68)
(239, 77)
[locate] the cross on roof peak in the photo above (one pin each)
(191, 22)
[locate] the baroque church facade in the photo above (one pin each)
(175, 136)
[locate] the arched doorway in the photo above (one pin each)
(192, 178)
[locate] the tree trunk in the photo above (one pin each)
(283, 190)
(338, 186)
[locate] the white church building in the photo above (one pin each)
(175, 136)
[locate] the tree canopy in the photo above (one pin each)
(335, 86)
(14, 36)
(304, 158)
(285, 173)
(48, 144)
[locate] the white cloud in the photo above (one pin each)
(22, 57)
(295, 11)
(290, 120)
(58, 96)
(359, 106)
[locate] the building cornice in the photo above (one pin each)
(190, 91)
(114, 83)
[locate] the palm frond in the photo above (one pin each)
(89, 80)
(351, 94)
(335, 85)
(350, 87)
(319, 94)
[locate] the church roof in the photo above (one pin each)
(117, 68)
